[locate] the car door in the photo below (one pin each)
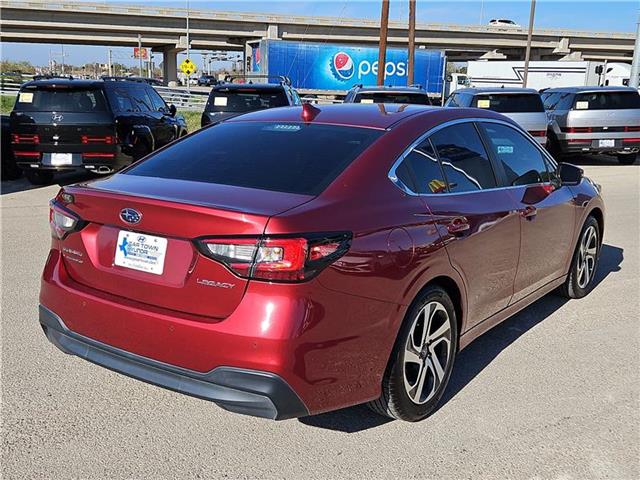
(546, 209)
(477, 221)
(167, 124)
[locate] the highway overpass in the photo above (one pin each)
(163, 29)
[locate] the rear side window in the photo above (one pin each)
(522, 162)
(121, 101)
(464, 160)
(383, 97)
(61, 100)
(421, 171)
(607, 101)
(283, 157)
(246, 100)
(509, 103)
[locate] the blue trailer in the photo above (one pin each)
(334, 67)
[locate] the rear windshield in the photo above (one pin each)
(283, 157)
(61, 100)
(606, 101)
(506, 103)
(246, 100)
(384, 97)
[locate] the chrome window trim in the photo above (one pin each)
(398, 183)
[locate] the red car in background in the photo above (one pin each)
(298, 260)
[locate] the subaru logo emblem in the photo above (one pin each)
(57, 117)
(129, 215)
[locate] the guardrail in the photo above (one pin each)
(9, 87)
(182, 99)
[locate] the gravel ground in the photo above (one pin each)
(550, 393)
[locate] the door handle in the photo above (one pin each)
(458, 225)
(529, 212)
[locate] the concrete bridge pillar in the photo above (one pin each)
(170, 64)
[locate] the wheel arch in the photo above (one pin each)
(598, 214)
(449, 285)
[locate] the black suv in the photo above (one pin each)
(228, 99)
(95, 125)
(414, 94)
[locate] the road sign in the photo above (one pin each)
(188, 67)
(141, 52)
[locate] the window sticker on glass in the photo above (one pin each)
(220, 101)
(484, 103)
(582, 105)
(25, 97)
(505, 149)
(366, 100)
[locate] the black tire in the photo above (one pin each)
(395, 401)
(575, 286)
(553, 146)
(627, 158)
(140, 150)
(39, 177)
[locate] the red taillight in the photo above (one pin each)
(22, 139)
(631, 129)
(538, 133)
(280, 259)
(97, 155)
(578, 130)
(62, 221)
(18, 153)
(102, 139)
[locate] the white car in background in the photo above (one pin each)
(504, 23)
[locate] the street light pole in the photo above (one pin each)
(527, 55)
(412, 42)
(634, 79)
(382, 48)
(140, 56)
(188, 46)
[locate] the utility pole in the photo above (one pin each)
(412, 42)
(109, 63)
(382, 47)
(62, 58)
(140, 56)
(527, 55)
(188, 46)
(634, 79)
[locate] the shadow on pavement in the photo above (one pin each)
(476, 357)
(22, 184)
(592, 160)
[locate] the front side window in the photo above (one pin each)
(522, 162)
(156, 100)
(142, 102)
(421, 171)
(464, 160)
(452, 101)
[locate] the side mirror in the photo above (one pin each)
(570, 174)
(172, 110)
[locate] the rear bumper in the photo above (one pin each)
(249, 392)
(592, 146)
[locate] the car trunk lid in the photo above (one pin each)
(173, 213)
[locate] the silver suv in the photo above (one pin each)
(594, 120)
(522, 105)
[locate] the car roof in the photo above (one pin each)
(64, 81)
(389, 89)
(366, 115)
(245, 86)
(497, 90)
(590, 89)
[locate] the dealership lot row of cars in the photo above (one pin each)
(222, 265)
(101, 126)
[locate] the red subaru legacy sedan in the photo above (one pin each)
(298, 260)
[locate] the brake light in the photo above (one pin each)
(537, 133)
(578, 130)
(631, 129)
(62, 221)
(280, 259)
(18, 153)
(103, 139)
(21, 139)
(97, 155)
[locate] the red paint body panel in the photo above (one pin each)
(330, 337)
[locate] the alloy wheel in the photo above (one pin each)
(427, 352)
(587, 255)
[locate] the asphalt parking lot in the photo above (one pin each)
(551, 393)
